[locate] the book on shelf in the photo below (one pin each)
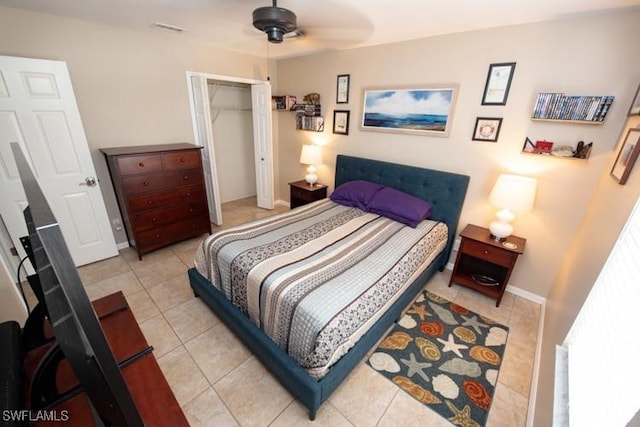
(558, 106)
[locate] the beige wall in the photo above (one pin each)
(130, 86)
(585, 56)
(605, 218)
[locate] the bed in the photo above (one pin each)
(312, 375)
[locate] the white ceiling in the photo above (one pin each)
(327, 24)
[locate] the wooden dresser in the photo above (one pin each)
(161, 193)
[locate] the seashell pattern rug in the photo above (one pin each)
(446, 357)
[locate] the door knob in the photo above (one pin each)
(89, 182)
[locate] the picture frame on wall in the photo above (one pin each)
(487, 129)
(341, 122)
(627, 155)
(634, 108)
(420, 110)
(496, 89)
(342, 90)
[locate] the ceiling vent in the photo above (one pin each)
(167, 27)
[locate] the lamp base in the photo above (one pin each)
(500, 230)
(496, 238)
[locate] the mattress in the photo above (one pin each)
(316, 277)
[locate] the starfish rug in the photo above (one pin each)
(446, 357)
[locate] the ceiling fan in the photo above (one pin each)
(274, 21)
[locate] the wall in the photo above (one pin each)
(589, 55)
(12, 305)
(607, 213)
(232, 125)
(130, 85)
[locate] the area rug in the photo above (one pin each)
(446, 357)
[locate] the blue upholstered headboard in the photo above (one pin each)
(446, 191)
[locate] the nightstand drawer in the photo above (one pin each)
(302, 194)
(181, 160)
(143, 163)
(487, 252)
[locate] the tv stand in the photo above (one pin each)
(149, 388)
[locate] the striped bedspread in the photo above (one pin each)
(315, 278)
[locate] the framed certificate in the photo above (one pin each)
(498, 83)
(342, 93)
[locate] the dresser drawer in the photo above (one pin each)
(141, 163)
(301, 194)
(154, 218)
(157, 181)
(161, 199)
(181, 160)
(162, 236)
(488, 253)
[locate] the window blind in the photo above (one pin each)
(603, 344)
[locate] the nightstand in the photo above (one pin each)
(303, 193)
(484, 264)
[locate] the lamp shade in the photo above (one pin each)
(514, 192)
(311, 155)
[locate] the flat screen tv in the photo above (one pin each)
(75, 324)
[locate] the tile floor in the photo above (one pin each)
(218, 382)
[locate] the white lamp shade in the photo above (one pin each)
(311, 155)
(510, 192)
(514, 192)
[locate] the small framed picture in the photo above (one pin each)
(342, 92)
(341, 122)
(634, 109)
(627, 155)
(487, 129)
(496, 90)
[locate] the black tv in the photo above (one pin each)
(75, 324)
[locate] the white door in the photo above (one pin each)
(38, 110)
(203, 134)
(261, 108)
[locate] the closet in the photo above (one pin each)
(231, 119)
(232, 127)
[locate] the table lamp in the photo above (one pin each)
(510, 193)
(311, 155)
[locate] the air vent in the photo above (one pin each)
(168, 27)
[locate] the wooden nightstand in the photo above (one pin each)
(484, 264)
(303, 193)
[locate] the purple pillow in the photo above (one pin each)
(400, 206)
(356, 193)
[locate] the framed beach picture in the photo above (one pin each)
(627, 155)
(426, 110)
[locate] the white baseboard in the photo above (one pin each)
(282, 203)
(122, 245)
(533, 391)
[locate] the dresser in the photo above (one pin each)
(161, 193)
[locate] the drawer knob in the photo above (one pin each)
(181, 159)
(190, 210)
(157, 236)
(486, 252)
(188, 194)
(141, 164)
(149, 202)
(146, 183)
(154, 219)
(186, 177)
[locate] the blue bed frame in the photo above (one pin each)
(446, 191)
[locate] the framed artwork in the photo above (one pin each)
(627, 155)
(422, 110)
(341, 122)
(496, 89)
(487, 129)
(342, 91)
(634, 109)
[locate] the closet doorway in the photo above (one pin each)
(232, 122)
